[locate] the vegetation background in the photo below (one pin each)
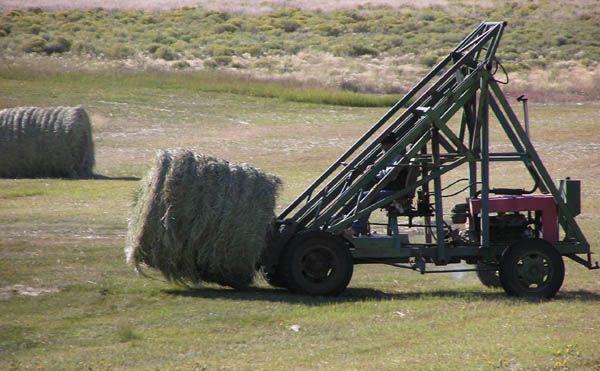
(550, 47)
(286, 87)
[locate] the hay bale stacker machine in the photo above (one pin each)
(515, 237)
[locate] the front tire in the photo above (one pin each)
(317, 263)
(532, 269)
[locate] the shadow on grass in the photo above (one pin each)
(361, 294)
(105, 177)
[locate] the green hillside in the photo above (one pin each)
(539, 33)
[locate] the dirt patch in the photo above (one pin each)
(8, 292)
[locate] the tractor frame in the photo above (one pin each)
(522, 234)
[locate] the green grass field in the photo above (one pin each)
(67, 237)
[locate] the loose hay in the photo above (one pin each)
(197, 218)
(45, 142)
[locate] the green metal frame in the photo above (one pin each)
(462, 80)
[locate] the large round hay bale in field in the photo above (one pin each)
(45, 142)
(197, 218)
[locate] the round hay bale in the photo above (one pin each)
(197, 218)
(46, 142)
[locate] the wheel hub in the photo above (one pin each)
(533, 270)
(317, 264)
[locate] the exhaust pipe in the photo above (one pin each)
(523, 98)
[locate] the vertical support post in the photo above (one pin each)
(437, 189)
(472, 179)
(485, 160)
(473, 146)
(425, 188)
(393, 226)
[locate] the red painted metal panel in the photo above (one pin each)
(542, 203)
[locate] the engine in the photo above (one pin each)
(508, 227)
(505, 228)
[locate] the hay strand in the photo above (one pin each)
(46, 142)
(197, 218)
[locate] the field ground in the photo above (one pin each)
(63, 241)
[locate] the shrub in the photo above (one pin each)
(330, 30)
(34, 45)
(82, 47)
(210, 63)
(181, 65)
(165, 40)
(273, 45)
(539, 61)
(361, 27)
(216, 16)
(119, 51)
(218, 50)
(180, 45)
(265, 63)
(289, 25)
(293, 47)
(75, 16)
(428, 60)
(238, 65)
(224, 27)
(35, 29)
(5, 29)
(560, 41)
(222, 60)
(166, 53)
(150, 19)
(152, 48)
(427, 16)
(58, 45)
(253, 50)
(355, 50)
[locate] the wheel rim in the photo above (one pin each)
(318, 264)
(533, 271)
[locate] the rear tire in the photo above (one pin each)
(317, 263)
(488, 275)
(533, 269)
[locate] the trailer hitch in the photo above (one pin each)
(589, 264)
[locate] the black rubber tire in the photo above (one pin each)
(532, 269)
(274, 279)
(489, 278)
(317, 263)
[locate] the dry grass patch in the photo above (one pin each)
(8, 292)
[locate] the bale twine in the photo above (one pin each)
(45, 142)
(197, 218)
